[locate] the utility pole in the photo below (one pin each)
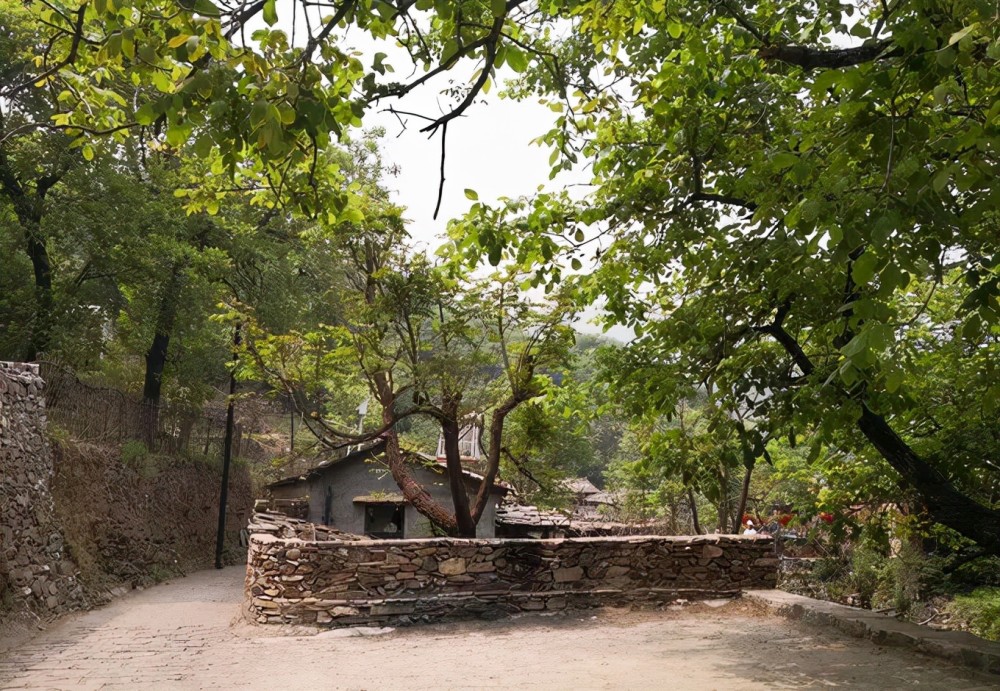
(227, 449)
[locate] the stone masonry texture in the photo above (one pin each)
(78, 524)
(302, 576)
(35, 572)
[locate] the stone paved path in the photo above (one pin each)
(181, 636)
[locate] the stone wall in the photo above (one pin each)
(344, 582)
(81, 522)
(35, 573)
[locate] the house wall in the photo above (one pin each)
(353, 478)
(339, 582)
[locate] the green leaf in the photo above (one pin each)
(893, 380)
(471, 194)
(498, 7)
(145, 115)
(270, 13)
(864, 268)
(516, 58)
(959, 35)
(206, 8)
(784, 160)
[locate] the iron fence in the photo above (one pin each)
(106, 415)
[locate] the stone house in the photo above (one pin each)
(355, 493)
(589, 502)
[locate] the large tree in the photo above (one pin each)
(770, 177)
(780, 190)
(260, 88)
(420, 347)
(422, 342)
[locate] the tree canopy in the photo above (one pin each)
(793, 204)
(783, 193)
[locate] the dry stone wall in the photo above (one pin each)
(35, 573)
(347, 582)
(80, 523)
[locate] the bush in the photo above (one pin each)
(134, 452)
(979, 612)
(135, 455)
(909, 578)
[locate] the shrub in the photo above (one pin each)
(979, 611)
(134, 452)
(136, 455)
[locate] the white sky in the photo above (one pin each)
(489, 150)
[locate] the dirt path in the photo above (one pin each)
(182, 635)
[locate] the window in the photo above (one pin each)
(384, 520)
(468, 443)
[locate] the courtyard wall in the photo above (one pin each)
(294, 575)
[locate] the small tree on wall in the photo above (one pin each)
(421, 341)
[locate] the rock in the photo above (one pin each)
(452, 567)
(566, 575)
(558, 602)
(711, 552)
(323, 618)
(293, 553)
(344, 611)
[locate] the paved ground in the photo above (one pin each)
(186, 635)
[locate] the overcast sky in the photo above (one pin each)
(489, 150)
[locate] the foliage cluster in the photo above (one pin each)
(793, 208)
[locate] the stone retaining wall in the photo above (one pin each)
(344, 582)
(79, 524)
(35, 572)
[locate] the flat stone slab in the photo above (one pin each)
(956, 646)
(356, 631)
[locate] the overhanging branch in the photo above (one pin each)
(809, 58)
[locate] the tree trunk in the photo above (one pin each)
(945, 504)
(413, 491)
(694, 512)
(156, 356)
(744, 493)
(456, 480)
(30, 208)
(724, 501)
(42, 327)
(493, 453)
(156, 360)
(29, 215)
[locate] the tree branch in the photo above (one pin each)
(69, 59)
(813, 58)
